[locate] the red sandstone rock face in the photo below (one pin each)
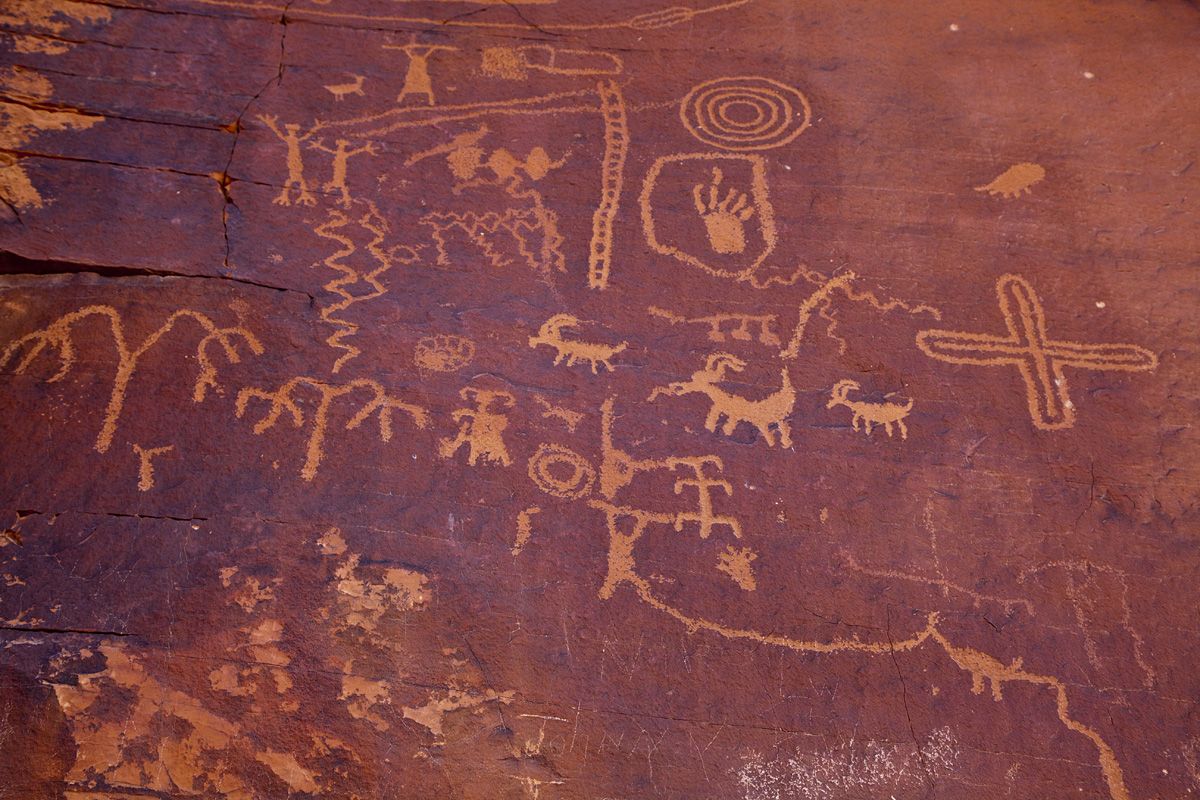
(550, 400)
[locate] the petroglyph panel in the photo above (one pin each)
(561, 400)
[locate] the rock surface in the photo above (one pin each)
(559, 399)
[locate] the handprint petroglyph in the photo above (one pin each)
(724, 218)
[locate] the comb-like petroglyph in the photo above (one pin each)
(560, 400)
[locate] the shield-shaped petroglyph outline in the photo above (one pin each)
(758, 193)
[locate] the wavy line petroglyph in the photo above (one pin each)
(334, 228)
(820, 302)
(283, 399)
(59, 336)
(1028, 347)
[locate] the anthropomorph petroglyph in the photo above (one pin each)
(416, 77)
(60, 336)
(481, 428)
(865, 415)
(342, 152)
(1038, 358)
(768, 415)
(573, 350)
(291, 136)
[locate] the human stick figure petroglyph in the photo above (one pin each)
(482, 428)
(767, 415)
(551, 335)
(605, 100)
(146, 464)
(284, 399)
(740, 331)
(59, 336)
(340, 90)
(866, 414)
(416, 77)
(291, 136)
(1016, 179)
(1039, 359)
(341, 153)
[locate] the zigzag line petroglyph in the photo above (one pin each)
(480, 230)
(374, 224)
(58, 336)
(282, 399)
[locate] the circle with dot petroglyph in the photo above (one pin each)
(745, 113)
(560, 471)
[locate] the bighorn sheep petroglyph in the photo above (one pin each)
(867, 415)
(550, 334)
(765, 415)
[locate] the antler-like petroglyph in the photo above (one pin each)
(381, 404)
(58, 336)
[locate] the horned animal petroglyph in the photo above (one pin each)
(866, 414)
(551, 335)
(770, 412)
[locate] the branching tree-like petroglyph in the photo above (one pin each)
(287, 398)
(60, 336)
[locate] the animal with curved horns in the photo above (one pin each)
(867, 415)
(550, 334)
(767, 415)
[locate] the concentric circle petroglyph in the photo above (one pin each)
(745, 113)
(560, 471)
